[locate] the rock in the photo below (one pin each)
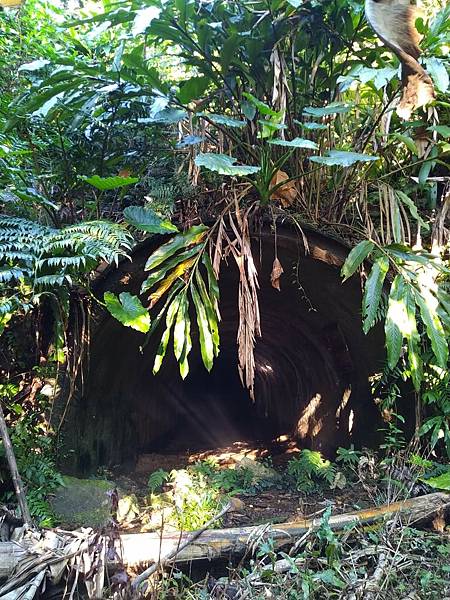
(260, 472)
(128, 509)
(83, 502)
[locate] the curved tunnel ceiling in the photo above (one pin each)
(312, 367)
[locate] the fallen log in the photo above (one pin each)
(146, 548)
(137, 549)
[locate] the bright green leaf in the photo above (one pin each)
(193, 89)
(396, 322)
(435, 332)
(206, 339)
(223, 120)
(330, 109)
(443, 130)
(342, 158)
(146, 219)
(128, 310)
(191, 237)
(442, 482)
(409, 142)
(373, 290)
(356, 257)
(438, 71)
(161, 352)
(109, 183)
(296, 143)
(223, 164)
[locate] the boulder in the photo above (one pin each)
(83, 502)
(259, 471)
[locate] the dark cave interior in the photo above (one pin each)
(312, 367)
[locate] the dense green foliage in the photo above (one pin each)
(136, 118)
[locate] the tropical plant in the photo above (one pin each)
(309, 468)
(40, 261)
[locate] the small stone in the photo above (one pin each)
(259, 471)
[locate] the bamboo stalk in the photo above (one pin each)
(12, 463)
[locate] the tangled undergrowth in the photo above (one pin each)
(393, 561)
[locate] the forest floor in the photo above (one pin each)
(270, 499)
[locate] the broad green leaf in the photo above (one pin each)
(161, 352)
(180, 327)
(210, 312)
(427, 304)
(248, 110)
(443, 130)
(356, 257)
(168, 116)
(4, 320)
(167, 266)
(128, 310)
(373, 290)
(409, 142)
(406, 200)
(312, 126)
(190, 140)
(177, 286)
(342, 158)
(206, 340)
(223, 120)
(330, 109)
(109, 183)
(183, 362)
(263, 108)
(31, 195)
(136, 61)
(213, 285)
(413, 338)
(180, 270)
(396, 323)
(438, 71)
(296, 143)
(442, 482)
(223, 164)
(146, 219)
(191, 237)
(193, 89)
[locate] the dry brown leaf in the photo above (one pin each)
(286, 193)
(124, 173)
(277, 271)
(439, 521)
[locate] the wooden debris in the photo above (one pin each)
(84, 552)
(144, 548)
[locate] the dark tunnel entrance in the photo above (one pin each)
(313, 363)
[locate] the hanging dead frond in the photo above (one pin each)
(249, 317)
